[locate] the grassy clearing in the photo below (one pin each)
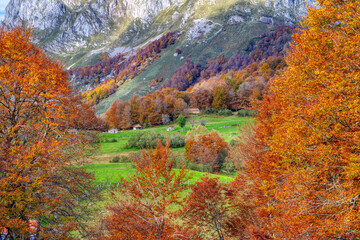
(227, 127)
(105, 172)
(113, 172)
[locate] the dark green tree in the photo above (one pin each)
(181, 121)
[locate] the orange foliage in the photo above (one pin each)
(303, 163)
(220, 98)
(37, 146)
(208, 149)
(215, 210)
(147, 110)
(145, 214)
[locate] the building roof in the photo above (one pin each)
(137, 126)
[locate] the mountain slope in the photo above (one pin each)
(78, 31)
(230, 40)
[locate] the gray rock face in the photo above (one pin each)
(68, 27)
(37, 13)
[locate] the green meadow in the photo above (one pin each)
(107, 173)
(228, 127)
(113, 144)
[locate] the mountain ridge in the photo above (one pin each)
(78, 31)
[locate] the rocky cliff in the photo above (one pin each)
(78, 31)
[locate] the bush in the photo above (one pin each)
(115, 159)
(202, 122)
(120, 159)
(110, 140)
(225, 112)
(208, 110)
(181, 120)
(246, 113)
(222, 112)
(150, 140)
(181, 161)
(177, 140)
(233, 142)
(229, 167)
(145, 140)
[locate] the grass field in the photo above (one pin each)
(228, 127)
(113, 172)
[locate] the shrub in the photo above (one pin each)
(120, 159)
(181, 120)
(246, 113)
(225, 112)
(181, 161)
(145, 140)
(115, 159)
(110, 140)
(150, 140)
(233, 143)
(208, 110)
(177, 140)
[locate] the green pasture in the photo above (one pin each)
(106, 173)
(228, 127)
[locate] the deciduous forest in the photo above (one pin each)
(293, 98)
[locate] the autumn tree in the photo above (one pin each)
(303, 162)
(219, 98)
(113, 114)
(144, 213)
(208, 149)
(134, 108)
(216, 210)
(38, 149)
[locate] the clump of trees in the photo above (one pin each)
(151, 140)
(184, 76)
(208, 149)
(235, 89)
(153, 109)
